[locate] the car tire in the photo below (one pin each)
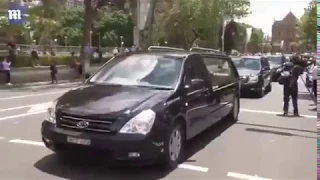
(269, 87)
(174, 146)
(234, 113)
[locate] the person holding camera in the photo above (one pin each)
(289, 79)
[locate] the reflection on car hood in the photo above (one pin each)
(109, 100)
(247, 72)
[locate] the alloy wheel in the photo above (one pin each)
(175, 144)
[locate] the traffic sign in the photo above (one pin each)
(15, 13)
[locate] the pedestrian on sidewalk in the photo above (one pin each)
(6, 69)
(314, 79)
(35, 58)
(115, 51)
(53, 72)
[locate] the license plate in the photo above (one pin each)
(73, 140)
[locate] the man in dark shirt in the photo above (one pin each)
(289, 80)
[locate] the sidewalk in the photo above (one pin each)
(42, 74)
(41, 85)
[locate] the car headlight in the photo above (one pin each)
(51, 113)
(140, 124)
(253, 79)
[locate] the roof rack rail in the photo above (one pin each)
(200, 49)
(165, 49)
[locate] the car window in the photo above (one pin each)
(220, 71)
(264, 62)
(249, 63)
(276, 60)
(193, 69)
(141, 70)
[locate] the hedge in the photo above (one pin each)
(26, 61)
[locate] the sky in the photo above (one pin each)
(264, 12)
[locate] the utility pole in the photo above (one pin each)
(89, 13)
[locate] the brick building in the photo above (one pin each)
(285, 30)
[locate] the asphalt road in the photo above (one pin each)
(261, 146)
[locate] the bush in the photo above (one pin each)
(26, 61)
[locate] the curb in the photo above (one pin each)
(41, 84)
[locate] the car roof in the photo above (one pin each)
(165, 48)
(273, 55)
(252, 57)
(203, 49)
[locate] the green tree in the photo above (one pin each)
(71, 26)
(256, 40)
(190, 20)
(307, 33)
(112, 25)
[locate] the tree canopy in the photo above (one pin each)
(307, 33)
(188, 21)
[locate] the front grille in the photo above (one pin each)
(68, 121)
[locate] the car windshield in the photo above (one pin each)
(275, 59)
(248, 63)
(141, 70)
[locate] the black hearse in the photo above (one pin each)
(143, 107)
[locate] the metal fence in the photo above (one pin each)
(61, 50)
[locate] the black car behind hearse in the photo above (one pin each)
(254, 72)
(276, 62)
(144, 107)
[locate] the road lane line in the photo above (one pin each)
(37, 143)
(245, 176)
(33, 95)
(20, 141)
(273, 112)
(39, 107)
(21, 115)
(26, 106)
(2, 138)
(194, 168)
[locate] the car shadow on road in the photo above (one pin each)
(280, 128)
(277, 133)
(305, 96)
(95, 169)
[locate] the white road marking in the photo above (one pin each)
(39, 107)
(272, 112)
(33, 95)
(37, 143)
(18, 107)
(2, 138)
(20, 141)
(245, 176)
(194, 168)
(21, 115)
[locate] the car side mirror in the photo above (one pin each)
(266, 68)
(196, 83)
(88, 75)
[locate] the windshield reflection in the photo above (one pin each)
(275, 60)
(141, 70)
(248, 63)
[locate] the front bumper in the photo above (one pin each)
(113, 147)
(247, 87)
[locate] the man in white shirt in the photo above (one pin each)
(314, 79)
(6, 68)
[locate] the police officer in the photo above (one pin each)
(289, 79)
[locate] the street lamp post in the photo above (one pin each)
(121, 38)
(99, 40)
(90, 39)
(65, 42)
